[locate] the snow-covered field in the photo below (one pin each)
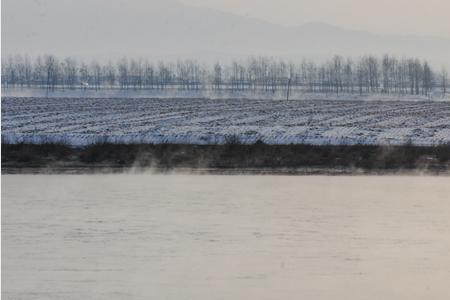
(79, 121)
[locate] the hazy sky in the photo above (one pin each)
(163, 29)
(417, 17)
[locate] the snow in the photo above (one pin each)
(173, 92)
(83, 121)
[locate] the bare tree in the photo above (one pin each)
(348, 75)
(336, 73)
(149, 75)
(444, 80)
(122, 69)
(51, 68)
(70, 72)
(97, 74)
(368, 74)
(110, 74)
(85, 76)
(427, 79)
(164, 74)
(217, 76)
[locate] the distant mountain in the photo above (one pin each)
(105, 29)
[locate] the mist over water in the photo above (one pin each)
(225, 237)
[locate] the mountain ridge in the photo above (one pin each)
(169, 29)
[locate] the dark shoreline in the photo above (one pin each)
(231, 158)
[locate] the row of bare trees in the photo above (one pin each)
(368, 74)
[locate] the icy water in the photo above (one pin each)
(225, 237)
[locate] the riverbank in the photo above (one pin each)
(231, 158)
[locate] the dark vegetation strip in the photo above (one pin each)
(228, 157)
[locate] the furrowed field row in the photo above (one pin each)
(80, 121)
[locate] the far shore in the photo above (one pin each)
(232, 159)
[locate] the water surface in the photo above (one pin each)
(225, 237)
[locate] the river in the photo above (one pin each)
(201, 237)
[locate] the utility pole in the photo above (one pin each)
(288, 89)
